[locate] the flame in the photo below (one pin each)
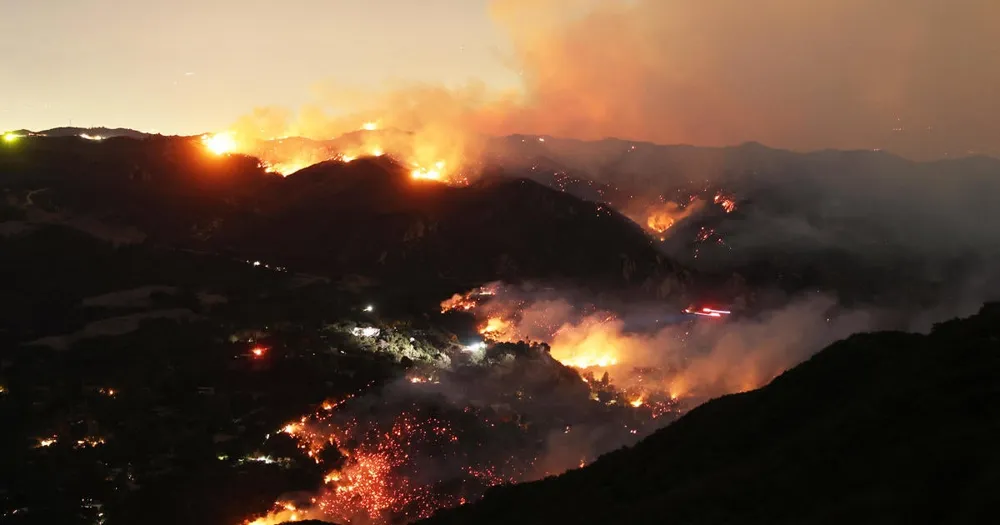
(369, 126)
(659, 222)
(661, 217)
(495, 326)
(286, 168)
(637, 402)
(436, 173)
(220, 143)
(727, 203)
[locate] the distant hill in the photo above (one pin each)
(878, 428)
(96, 132)
(867, 225)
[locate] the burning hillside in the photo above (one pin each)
(440, 437)
(286, 155)
(664, 350)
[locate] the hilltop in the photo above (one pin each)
(878, 428)
(367, 217)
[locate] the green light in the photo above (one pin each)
(11, 138)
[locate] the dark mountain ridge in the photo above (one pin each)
(365, 217)
(878, 428)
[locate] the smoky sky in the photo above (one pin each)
(916, 77)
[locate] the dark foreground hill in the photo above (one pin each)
(878, 428)
(370, 216)
(367, 217)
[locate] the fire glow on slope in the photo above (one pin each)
(688, 353)
(432, 155)
(401, 463)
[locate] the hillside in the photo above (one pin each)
(369, 215)
(878, 428)
(366, 217)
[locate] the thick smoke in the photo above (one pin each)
(911, 76)
(655, 346)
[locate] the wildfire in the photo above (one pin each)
(727, 203)
(373, 481)
(661, 217)
(495, 326)
(436, 173)
(469, 301)
(659, 222)
(220, 143)
(369, 126)
(47, 441)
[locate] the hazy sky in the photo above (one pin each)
(193, 65)
(916, 77)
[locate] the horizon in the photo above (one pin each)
(915, 82)
(550, 137)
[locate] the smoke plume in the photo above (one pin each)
(912, 76)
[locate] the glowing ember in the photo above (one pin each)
(258, 351)
(220, 143)
(110, 392)
(47, 441)
(636, 403)
(727, 203)
(89, 442)
(91, 137)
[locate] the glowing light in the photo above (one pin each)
(728, 204)
(89, 442)
(91, 137)
(47, 441)
(659, 222)
(259, 351)
(377, 152)
(368, 331)
(636, 403)
(475, 347)
(369, 126)
(369, 308)
(11, 137)
(347, 158)
(495, 326)
(286, 168)
(425, 174)
(220, 143)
